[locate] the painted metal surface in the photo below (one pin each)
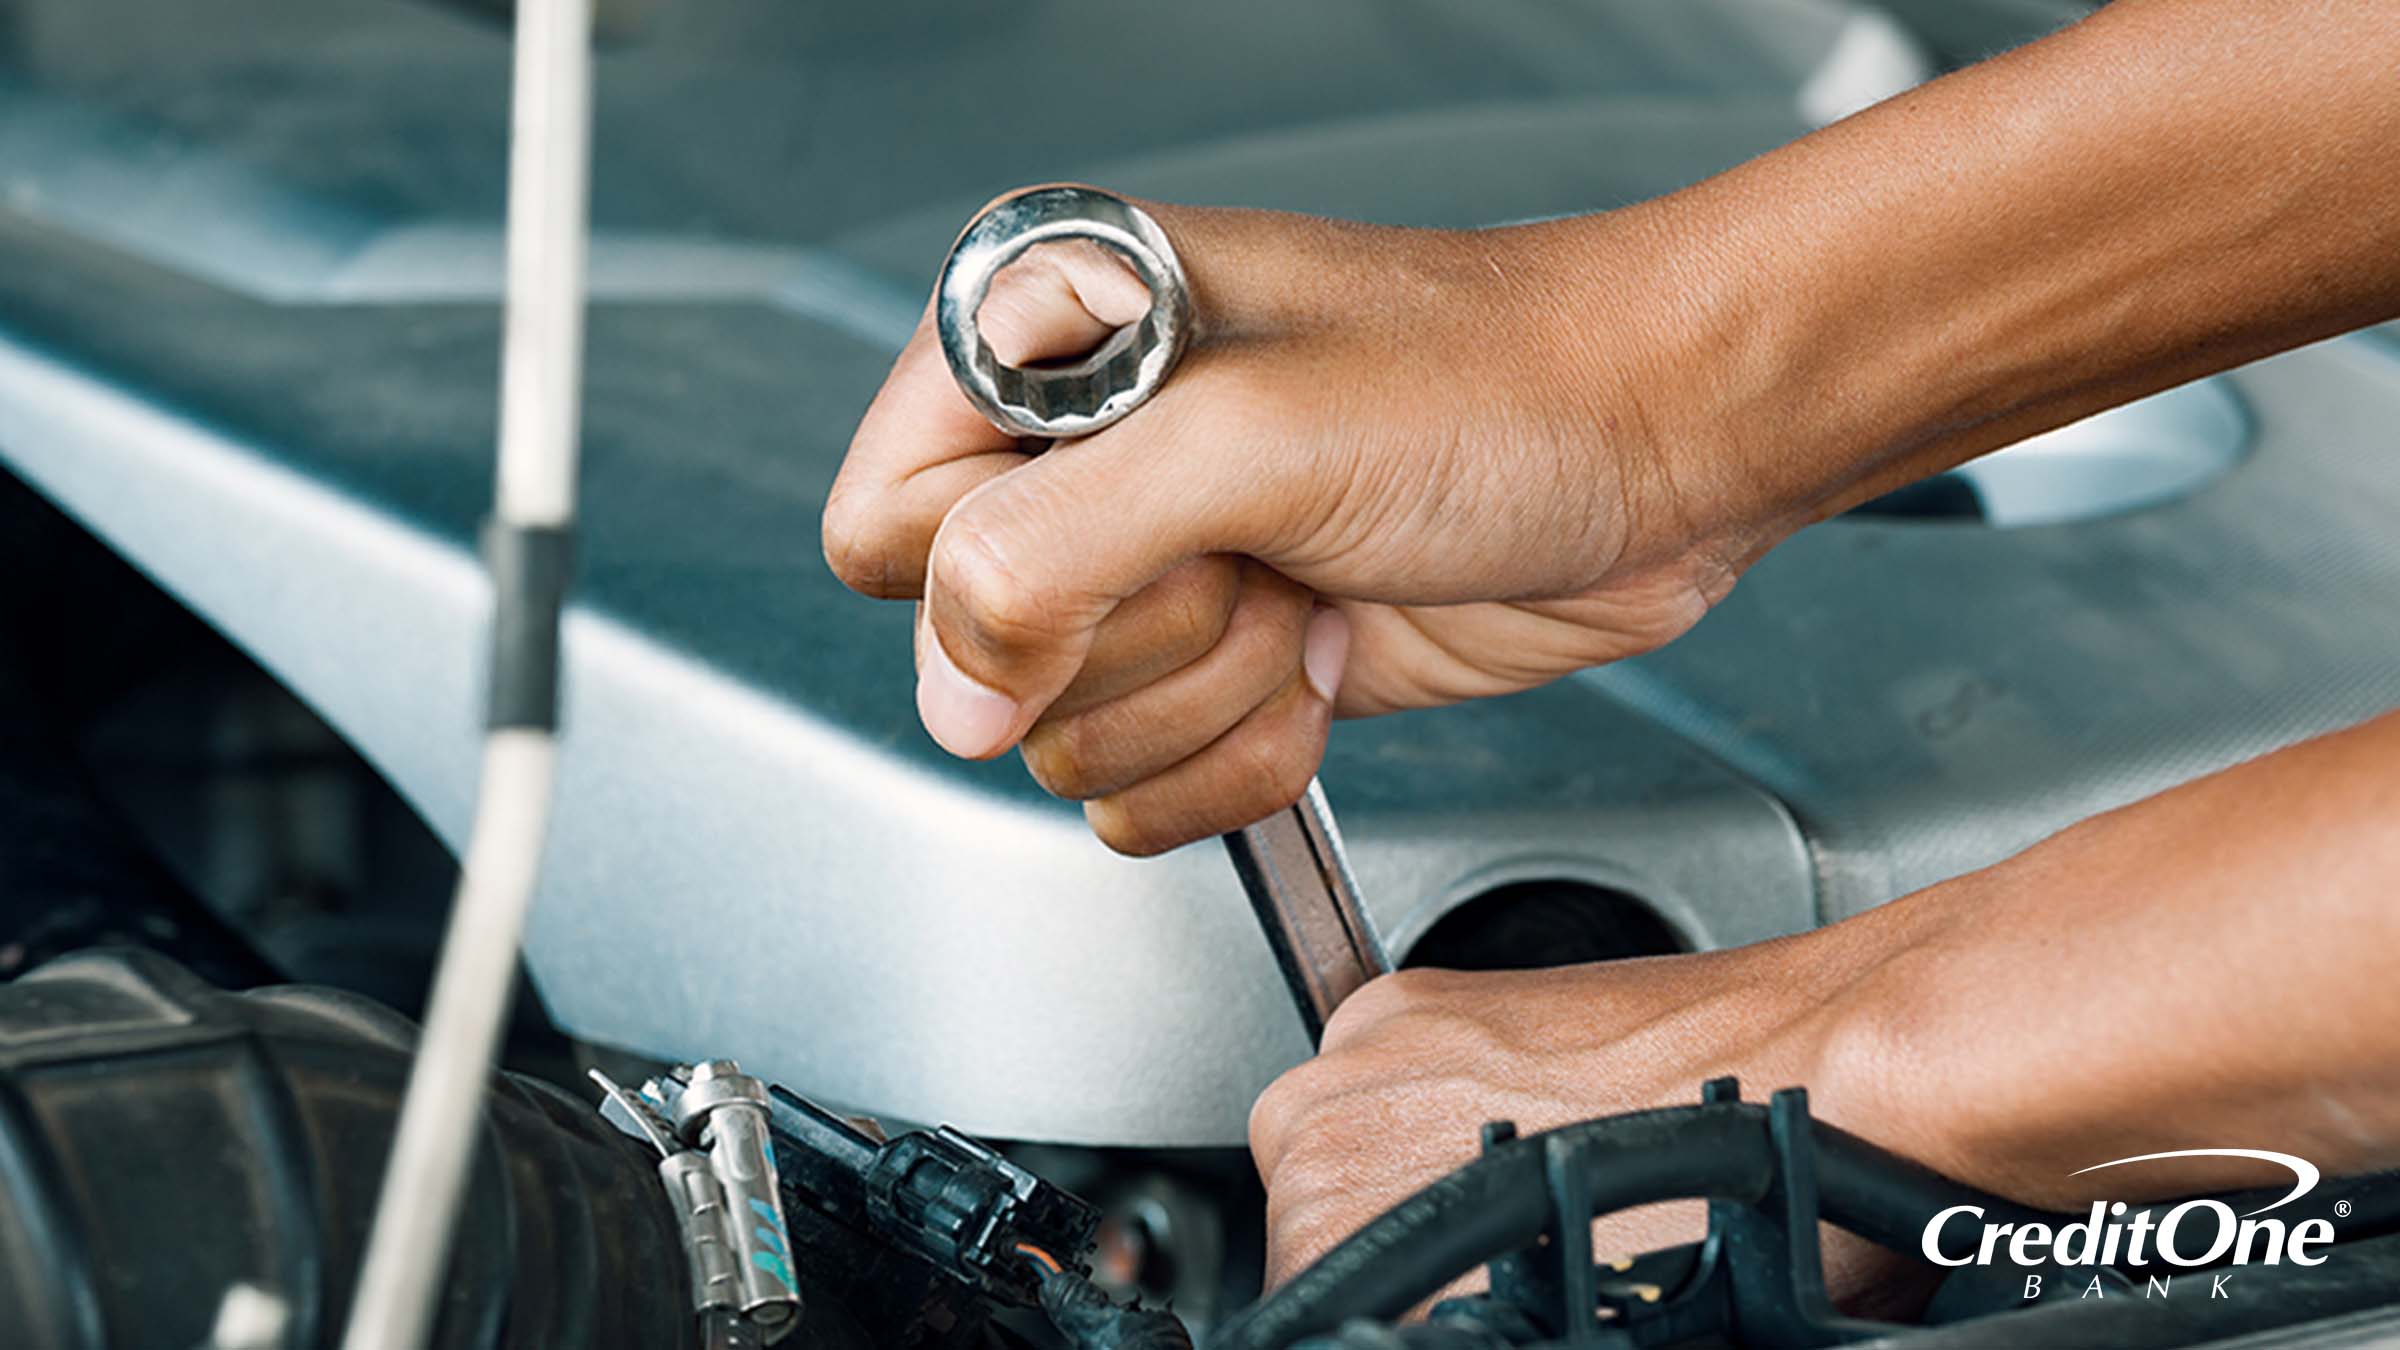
(248, 336)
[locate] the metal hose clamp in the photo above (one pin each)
(1078, 398)
(709, 1123)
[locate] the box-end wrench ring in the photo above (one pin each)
(1079, 398)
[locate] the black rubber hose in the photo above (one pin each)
(1500, 1203)
(1887, 1199)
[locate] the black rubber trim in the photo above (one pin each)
(1500, 1203)
(531, 566)
(1721, 1150)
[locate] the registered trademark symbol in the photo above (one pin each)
(2341, 1209)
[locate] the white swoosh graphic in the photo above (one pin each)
(2302, 1168)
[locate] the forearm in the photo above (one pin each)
(2207, 968)
(2169, 189)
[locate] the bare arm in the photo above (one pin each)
(2209, 968)
(2168, 189)
(2171, 188)
(1408, 467)
(2206, 968)
(1385, 424)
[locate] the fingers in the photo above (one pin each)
(1091, 590)
(1024, 570)
(1212, 744)
(1340, 1138)
(1257, 768)
(919, 449)
(1059, 300)
(921, 446)
(1145, 714)
(1164, 627)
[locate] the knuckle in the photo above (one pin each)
(1276, 769)
(1280, 1119)
(855, 547)
(1359, 1014)
(1001, 606)
(1416, 987)
(1057, 755)
(1297, 1242)
(1198, 604)
(1385, 999)
(1454, 1035)
(1312, 1173)
(1124, 831)
(1271, 1114)
(1302, 1083)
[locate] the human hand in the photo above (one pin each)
(1413, 1063)
(2012, 1028)
(1499, 455)
(1396, 469)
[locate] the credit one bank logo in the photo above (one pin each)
(2114, 1233)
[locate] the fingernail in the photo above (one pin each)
(966, 717)
(1325, 651)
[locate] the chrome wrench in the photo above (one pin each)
(1291, 864)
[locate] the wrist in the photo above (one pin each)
(1887, 1060)
(1931, 1050)
(1673, 354)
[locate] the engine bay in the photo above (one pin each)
(825, 1037)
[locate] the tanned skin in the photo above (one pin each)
(1403, 468)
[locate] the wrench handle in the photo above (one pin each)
(1298, 879)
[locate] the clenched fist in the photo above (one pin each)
(1414, 1062)
(1396, 468)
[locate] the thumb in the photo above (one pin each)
(1026, 566)
(1060, 299)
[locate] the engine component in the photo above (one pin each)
(948, 1199)
(718, 1168)
(725, 1110)
(926, 1231)
(72, 875)
(72, 872)
(1551, 921)
(162, 1141)
(1188, 1233)
(1771, 1174)
(1091, 1320)
(180, 1167)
